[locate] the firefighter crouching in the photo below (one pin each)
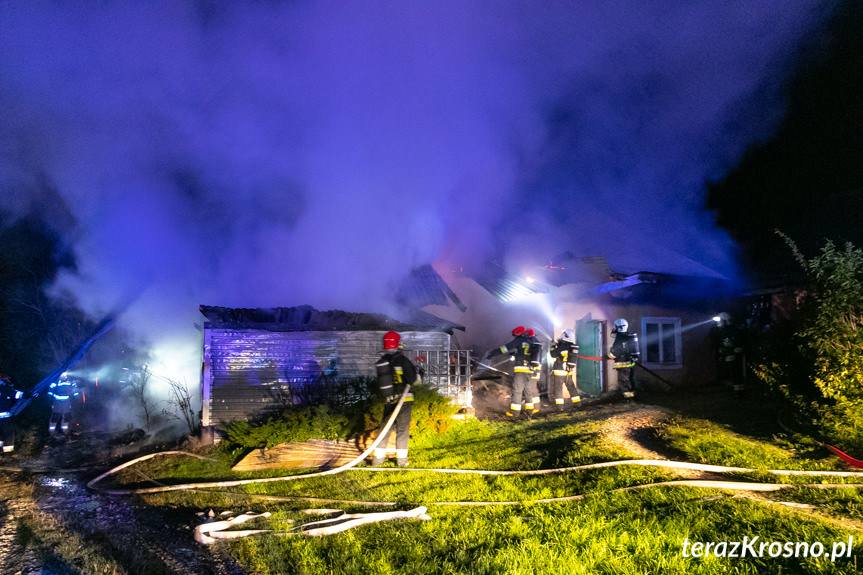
(565, 353)
(522, 349)
(9, 396)
(395, 371)
(61, 392)
(624, 352)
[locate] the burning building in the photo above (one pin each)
(257, 360)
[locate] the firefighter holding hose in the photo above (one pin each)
(395, 371)
(522, 349)
(565, 353)
(624, 352)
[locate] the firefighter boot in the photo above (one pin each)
(558, 404)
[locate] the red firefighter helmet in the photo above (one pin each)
(530, 333)
(518, 331)
(391, 340)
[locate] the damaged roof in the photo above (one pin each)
(307, 318)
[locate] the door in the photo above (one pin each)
(590, 368)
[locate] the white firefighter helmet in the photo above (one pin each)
(621, 325)
(568, 335)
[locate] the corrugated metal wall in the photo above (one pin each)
(246, 370)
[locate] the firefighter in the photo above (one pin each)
(565, 352)
(395, 371)
(9, 396)
(536, 369)
(624, 353)
(61, 391)
(728, 346)
(522, 348)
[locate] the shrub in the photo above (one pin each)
(821, 369)
(300, 424)
(431, 412)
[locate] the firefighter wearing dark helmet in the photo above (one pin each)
(565, 353)
(522, 348)
(9, 396)
(727, 341)
(624, 352)
(395, 371)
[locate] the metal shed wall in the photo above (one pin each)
(242, 366)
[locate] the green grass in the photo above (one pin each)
(630, 532)
(704, 441)
(637, 532)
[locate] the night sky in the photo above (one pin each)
(287, 153)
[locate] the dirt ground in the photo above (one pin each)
(50, 490)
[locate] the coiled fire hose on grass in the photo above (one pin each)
(346, 466)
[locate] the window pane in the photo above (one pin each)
(669, 353)
(651, 340)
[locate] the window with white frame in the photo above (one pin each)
(661, 343)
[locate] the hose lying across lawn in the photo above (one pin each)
(333, 471)
(730, 485)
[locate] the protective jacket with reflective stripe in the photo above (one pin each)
(565, 354)
(395, 371)
(520, 349)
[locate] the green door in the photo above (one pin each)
(590, 368)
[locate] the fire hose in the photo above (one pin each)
(104, 326)
(208, 533)
(733, 485)
(333, 471)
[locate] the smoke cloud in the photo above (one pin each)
(286, 153)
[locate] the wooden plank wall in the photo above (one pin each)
(244, 369)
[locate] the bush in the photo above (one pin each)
(821, 369)
(301, 424)
(431, 412)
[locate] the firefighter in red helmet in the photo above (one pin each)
(522, 349)
(395, 371)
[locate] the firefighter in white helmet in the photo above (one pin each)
(565, 352)
(523, 384)
(395, 371)
(624, 352)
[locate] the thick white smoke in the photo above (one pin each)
(287, 153)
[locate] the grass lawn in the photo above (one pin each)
(607, 531)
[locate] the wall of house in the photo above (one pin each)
(250, 371)
(488, 323)
(697, 360)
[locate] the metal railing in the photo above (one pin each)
(446, 371)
